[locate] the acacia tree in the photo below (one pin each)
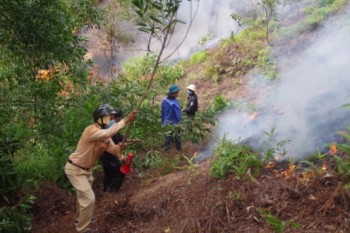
(269, 8)
(35, 35)
(158, 19)
(40, 35)
(117, 13)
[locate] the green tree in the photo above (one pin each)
(158, 19)
(269, 8)
(40, 35)
(37, 35)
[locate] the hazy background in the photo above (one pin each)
(206, 18)
(305, 107)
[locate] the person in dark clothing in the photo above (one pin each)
(171, 115)
(113, 177)
(192, 101)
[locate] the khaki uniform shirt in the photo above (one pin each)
(93, 142)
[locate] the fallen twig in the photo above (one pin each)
(330, 200)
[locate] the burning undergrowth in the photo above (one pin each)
(302, 111)
(284, 196)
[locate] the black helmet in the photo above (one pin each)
(117, 112)
(101, 111)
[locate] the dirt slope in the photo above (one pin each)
(191, 201)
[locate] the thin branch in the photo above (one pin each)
(186, 34)
(152, 76)
(330, 200)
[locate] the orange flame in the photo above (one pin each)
(69, 89)
(44, 74)
(333, 149)
(290, 171)
(64, 94)
(306, 176)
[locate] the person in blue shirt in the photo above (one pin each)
(171, 115)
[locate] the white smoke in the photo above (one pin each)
(207, 20)
(305, 106)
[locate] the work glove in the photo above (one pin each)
(131, 117)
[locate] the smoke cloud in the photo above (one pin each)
(209, 21)
(304, 109)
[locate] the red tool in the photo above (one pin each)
(126, 168)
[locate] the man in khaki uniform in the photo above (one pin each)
(95, 139)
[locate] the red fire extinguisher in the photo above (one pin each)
(126, 168)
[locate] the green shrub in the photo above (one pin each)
(265, 62)
(236, 159)
(170, 74)
(198, 57)
(206, 38)
(276, 224)
(35, 165)
(152, 159)
(192, 129)
(135, 68)
(271, 148)
(168, 165)
(16, 219)
(215, 72)
(8, 179)
(315, 15)
(220, 103)
(343, 162)
(140, 69)
(147, 126)
(343, 165)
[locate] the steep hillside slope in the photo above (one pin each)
(283, 198)
(191, 201)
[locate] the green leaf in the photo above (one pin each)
(137, 3)
(154, 18)
(179, 21)
(157, 5)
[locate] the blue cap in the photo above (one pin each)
(173, 89)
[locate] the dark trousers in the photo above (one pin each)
(113, 178)
(169, 139)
